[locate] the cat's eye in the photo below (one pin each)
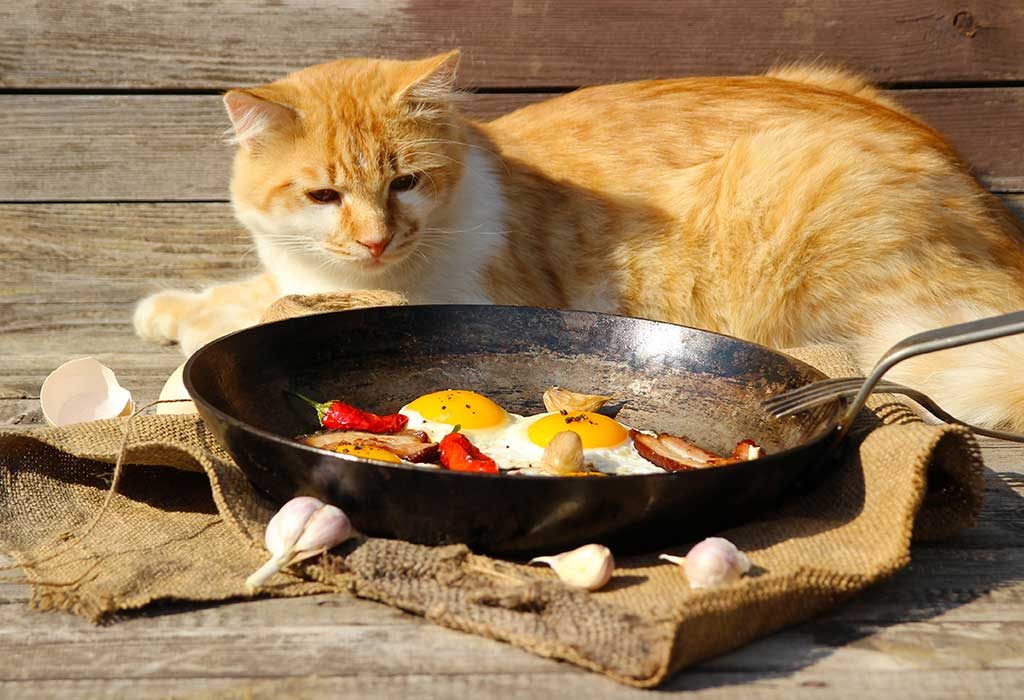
(404, 183)
(325, 196)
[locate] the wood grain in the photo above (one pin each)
(207, 44)
(808, 684)
(70, 275)
(951, 624)
(170, 147)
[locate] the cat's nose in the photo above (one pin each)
(376, 247)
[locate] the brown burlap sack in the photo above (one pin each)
(297, 305)
(195, 535)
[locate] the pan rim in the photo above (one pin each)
(811, 442)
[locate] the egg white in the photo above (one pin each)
(511, 448)
(436, 431)
(517, 451)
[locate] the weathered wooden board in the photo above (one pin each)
(70, 275)
(951, 624)
(171, 147)
(807, 684)
(268, 645)
(204, 44)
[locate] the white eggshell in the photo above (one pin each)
(83, 390)
(174, 388)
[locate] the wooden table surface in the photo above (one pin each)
(949, 625)
(113, 183)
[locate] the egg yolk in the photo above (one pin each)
(367, 452)
(595, 430)
(457, 407)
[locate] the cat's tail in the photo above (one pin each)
(832, 78)
(981, 384)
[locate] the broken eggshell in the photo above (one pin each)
(174, 388)
(83, 390)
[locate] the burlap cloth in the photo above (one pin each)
(194, 532)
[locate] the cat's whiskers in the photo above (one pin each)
(474, 231)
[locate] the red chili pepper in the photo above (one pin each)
(460, 455)
(337, 415)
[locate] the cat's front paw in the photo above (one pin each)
(159, 316)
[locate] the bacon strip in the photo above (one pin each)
(747, 450)
(673, 453)
(410, 445)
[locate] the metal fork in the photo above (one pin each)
(810, 395)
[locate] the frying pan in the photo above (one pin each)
(681, 380)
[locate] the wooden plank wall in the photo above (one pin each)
(107, 101)
(114, 171)
(113, 182)
(202, 44)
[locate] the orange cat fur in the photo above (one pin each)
(797, 207)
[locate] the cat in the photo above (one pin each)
(797, 207)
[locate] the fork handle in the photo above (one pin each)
(932, 341)
(929, 405)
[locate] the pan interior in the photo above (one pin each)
(674, 379)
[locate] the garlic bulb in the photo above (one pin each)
(564, 454)
(303, 528)
(589, 566)
(558, 399)
(711, 563)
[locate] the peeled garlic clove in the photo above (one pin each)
(712, 562)
(563, 455)
(174, 388)
(304, 527)
(559, 399)
(589, 566)
(83, 390)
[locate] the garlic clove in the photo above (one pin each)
(712, 562)
(174, 388)
(559, 399)
(286, 527)
(563, 455)
(327, 528)
(589, 567)
(83, 390)
(303, 528)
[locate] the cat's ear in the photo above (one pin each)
(430, 84)
(255, 115)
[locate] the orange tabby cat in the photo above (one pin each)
(797, 207)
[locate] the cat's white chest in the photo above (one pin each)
(475, 233)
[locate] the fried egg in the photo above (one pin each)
(367, 452)
(517, 442)
(606, 444)
(438, 413)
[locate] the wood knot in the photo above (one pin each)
(963, 22)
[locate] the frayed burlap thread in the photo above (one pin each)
(194, 532)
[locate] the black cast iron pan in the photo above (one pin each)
(675, 379)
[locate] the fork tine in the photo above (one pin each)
(819, 393)
(824, 388)
(796, 400)
(815, 387)
(798, 406)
